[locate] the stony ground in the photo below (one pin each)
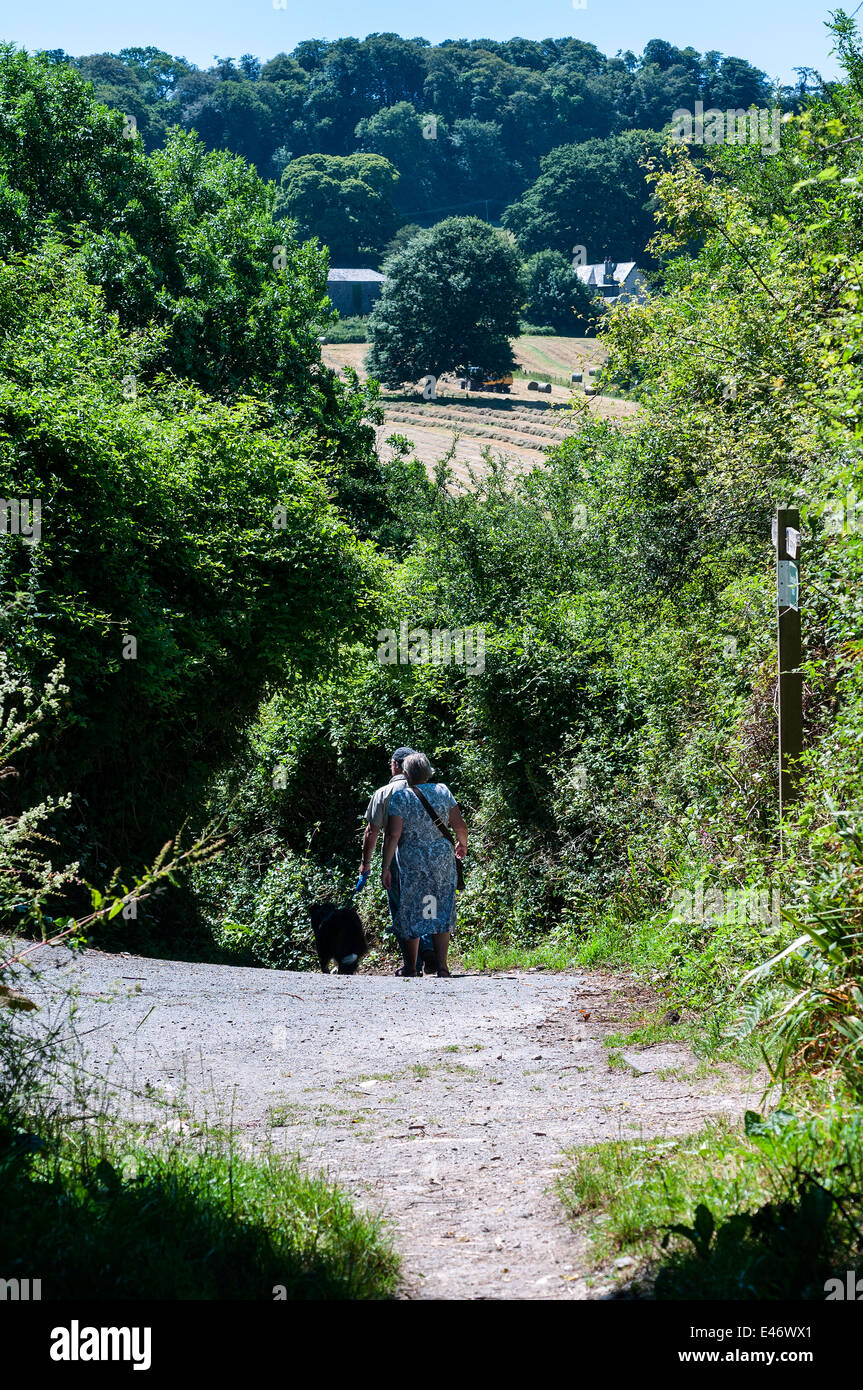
(444, 1104)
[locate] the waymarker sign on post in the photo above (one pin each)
(786, 539)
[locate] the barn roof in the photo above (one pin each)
(595, 274)
(363, 276)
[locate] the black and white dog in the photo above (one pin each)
(339, 936)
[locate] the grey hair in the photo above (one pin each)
(417, 768)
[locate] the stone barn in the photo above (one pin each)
(353, 292)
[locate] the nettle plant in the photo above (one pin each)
(28, 878)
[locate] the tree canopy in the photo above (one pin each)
(451, 299)
(594, 195)
(464, 123)
(344, 201)
(161, 394)
(555, 296)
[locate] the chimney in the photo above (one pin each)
(610, 268)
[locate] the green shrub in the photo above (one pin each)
(347, 330)
(262, 918)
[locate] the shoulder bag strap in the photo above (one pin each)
(444, 829)
(446, 832)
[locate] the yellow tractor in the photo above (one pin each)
(479, 380)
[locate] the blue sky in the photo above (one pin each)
(776, 35)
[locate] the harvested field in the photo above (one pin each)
(519, 426)
(558, 356)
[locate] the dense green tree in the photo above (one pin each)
(344, 202)
(247, 117)
(733, 82)
(401, 238)
(188, 553)
(482, 171)
(162, 394)
(451, 299)
(593, 195)
(61, 157)
(183, 238)
(657, 92)
(411, 143)
(556, 297)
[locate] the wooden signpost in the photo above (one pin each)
(786, 539)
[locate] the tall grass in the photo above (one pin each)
(111, 1217)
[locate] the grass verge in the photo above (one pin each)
(107, 1217)
(553, 954)
(769, 1212)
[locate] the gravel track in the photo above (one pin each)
(443, 1104)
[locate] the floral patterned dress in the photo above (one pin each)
(426, 862)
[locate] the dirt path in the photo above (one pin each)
(446, 1104)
